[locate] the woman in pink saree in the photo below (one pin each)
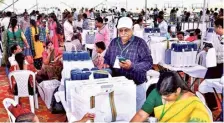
(53, 33)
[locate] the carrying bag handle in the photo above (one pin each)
(112, 105)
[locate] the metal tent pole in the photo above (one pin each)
(37, 4)
(126, 5)
(13, 6)
(10, 5)
(203, 22)
(146, 11)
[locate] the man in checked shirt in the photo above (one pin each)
(129, 56)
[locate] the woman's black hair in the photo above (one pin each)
(47, 43)
(53, 16)
(197, 31)
(169, 82)
(139, 20)
(84, 15)
(33, 23)
(19, 57)
(219, 22)
(13, 23)
(39, 17)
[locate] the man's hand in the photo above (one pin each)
(87, 117)
(126, 64)
(27, 46)
(49, 51)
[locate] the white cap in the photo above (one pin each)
(125, 22)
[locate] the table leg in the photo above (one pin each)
(216, 94)
(199, 82)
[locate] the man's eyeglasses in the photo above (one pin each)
(124, 30)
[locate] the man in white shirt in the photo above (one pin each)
(5, 21)
(162, 25)
(217, 71)
(75, 14)
(33, 15)
(214, 77)
(71, 41)
(14, 50)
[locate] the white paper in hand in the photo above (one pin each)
(116, 63)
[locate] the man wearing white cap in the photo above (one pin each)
(129, 56)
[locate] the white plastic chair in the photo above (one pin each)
(69, 46)
(8, 102)
(22, 78)
(202, 98)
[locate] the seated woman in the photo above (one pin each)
(172, 101)
(195, 36)
(181, 104)
(52, 64)
(51, 55)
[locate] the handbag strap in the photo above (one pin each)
(112, 105)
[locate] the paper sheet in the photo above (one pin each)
(211, 60)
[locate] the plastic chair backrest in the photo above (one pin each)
(22, 78)
(202, 98)
(8, 102)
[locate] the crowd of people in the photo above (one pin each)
(37, 41)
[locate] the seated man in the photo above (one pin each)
(101, 50)
(31, 117)
(28, 117)
(180, 36)
(14, 50)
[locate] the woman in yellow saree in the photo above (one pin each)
(181, 105)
